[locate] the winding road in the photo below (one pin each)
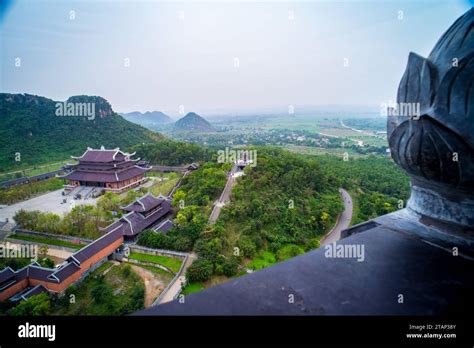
(343, 221)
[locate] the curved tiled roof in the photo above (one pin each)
(102, 155)
(66, 271)
(134, 222)
(106, 176)
(96, 246)
(41, 273)
(129, 225)
(144, 203)
(164, 227)
(38, 289)
(6, 274)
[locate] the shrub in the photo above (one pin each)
(46, 262)
(289, 251)
(247, 247)
(199, 271)
(101, 293)
(313, 243)
(126, 271)
(35, 305)
(137, 298)
(230, 267)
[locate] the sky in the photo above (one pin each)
(217, 56)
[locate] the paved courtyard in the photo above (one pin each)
(49, 202)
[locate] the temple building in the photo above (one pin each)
(34, 279)
(145, 212)
(112, 170)
(141, 214)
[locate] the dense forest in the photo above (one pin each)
(31, 133)
(279, 209)
(194, 198)
(285, 204)
(172, 153)
(377, 185)
(285, 199)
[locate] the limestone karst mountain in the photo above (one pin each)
(42, 130)
(192, 122)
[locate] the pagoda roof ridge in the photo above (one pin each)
(100, 154)
(146, 202)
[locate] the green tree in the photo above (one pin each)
(247, 247)
(199, 271)
(46, 262)
(126, 270)
(101, 293)
(36, 305)
(230, 267)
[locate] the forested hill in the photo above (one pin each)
(192, 122)
(30, 125)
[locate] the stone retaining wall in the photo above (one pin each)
(150, 251)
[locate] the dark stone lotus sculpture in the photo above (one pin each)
(436, 147)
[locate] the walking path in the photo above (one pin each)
(153, 285)
(174, 288)
(225, 196)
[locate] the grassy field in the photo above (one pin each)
(170, 175)
(192, 288)
(36, 170)
(262, 260)
(164, 187)
(44, 240)
(288, 251)
(267, 258)
(325, 124)
(172, 263)
(102, 268)
(339, 132)
(167, 276)
(371, 141)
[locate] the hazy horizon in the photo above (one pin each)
(217, 58)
